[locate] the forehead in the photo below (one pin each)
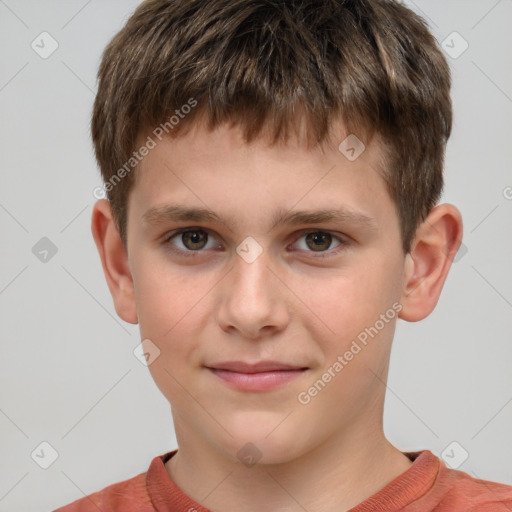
(203, 173)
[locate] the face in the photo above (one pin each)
(274, 314)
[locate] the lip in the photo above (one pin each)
(261, 376)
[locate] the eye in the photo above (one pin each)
(320, 242)
(190, 240)
(193, 241)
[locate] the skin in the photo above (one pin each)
(288, 305)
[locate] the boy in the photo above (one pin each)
(273, 171)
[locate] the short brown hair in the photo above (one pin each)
(373, 64)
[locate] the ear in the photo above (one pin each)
(114, 260)
(433, 250)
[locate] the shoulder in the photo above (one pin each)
(129, 496)
(465, 492)
(490, 496)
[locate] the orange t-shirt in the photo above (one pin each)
(428, 485)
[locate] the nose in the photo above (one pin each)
(252, 301)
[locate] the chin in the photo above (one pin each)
(265, 442)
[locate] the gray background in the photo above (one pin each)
(67, 372)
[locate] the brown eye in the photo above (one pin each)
(319, 241)
(194, 240)
(190, 242)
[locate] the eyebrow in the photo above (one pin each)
(178, 213)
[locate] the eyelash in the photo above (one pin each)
(194, 254)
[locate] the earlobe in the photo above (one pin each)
(426, 267)
(114, 261)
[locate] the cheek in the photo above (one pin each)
(343, 304)
(171, 315)
(166, 296)
(171, 310)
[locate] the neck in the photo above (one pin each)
(337, 475)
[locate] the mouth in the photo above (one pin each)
(261, 376)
